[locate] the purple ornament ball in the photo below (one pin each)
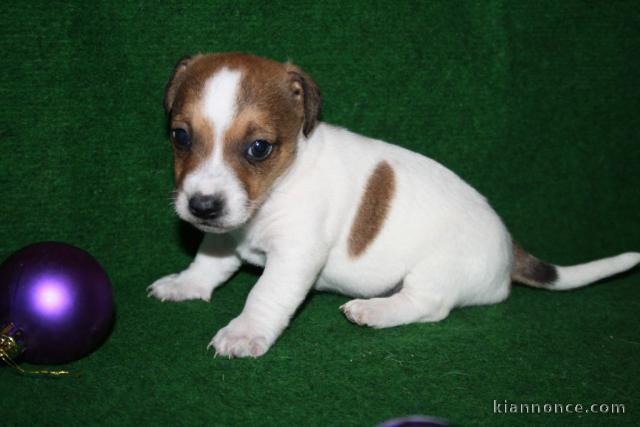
(59, 297)
(415, 421)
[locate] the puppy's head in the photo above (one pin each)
(234, 121)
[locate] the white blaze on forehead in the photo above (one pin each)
(213, 176)
(219, 102)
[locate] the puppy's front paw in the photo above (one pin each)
(177, 287)
(239, 339)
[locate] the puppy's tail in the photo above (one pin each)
(529, 270)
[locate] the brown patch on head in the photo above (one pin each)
(271, 108)
(182, 98)
(257, 177)
(202, 137)
(175, 82)
(373, 210)
(306, 89)
(275, 101)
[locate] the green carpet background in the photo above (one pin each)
(536, 104)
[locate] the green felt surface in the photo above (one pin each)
(536, 104)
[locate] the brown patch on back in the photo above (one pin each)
(373, 210)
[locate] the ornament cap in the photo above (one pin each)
(12, 342)
(12, 345)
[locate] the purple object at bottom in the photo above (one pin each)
(61, 299)
(415, 421)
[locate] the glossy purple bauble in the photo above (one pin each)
(61, 299)
(415, 421)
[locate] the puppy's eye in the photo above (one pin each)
(181, 138)
(259, 150)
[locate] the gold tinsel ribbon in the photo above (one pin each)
(8, 346)
(6, 359)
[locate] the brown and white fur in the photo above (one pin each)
(327, 209)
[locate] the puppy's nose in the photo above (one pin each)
(205, 207)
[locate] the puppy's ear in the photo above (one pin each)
(177, 77)
(305, 90)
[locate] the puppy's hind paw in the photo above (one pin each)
(352, 312)
(366, 312)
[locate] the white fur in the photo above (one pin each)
(213, 265)
(576, 276)
(219, 105)
(441, 241)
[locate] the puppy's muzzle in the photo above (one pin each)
(206, 206)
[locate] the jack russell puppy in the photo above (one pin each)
(321, 207)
